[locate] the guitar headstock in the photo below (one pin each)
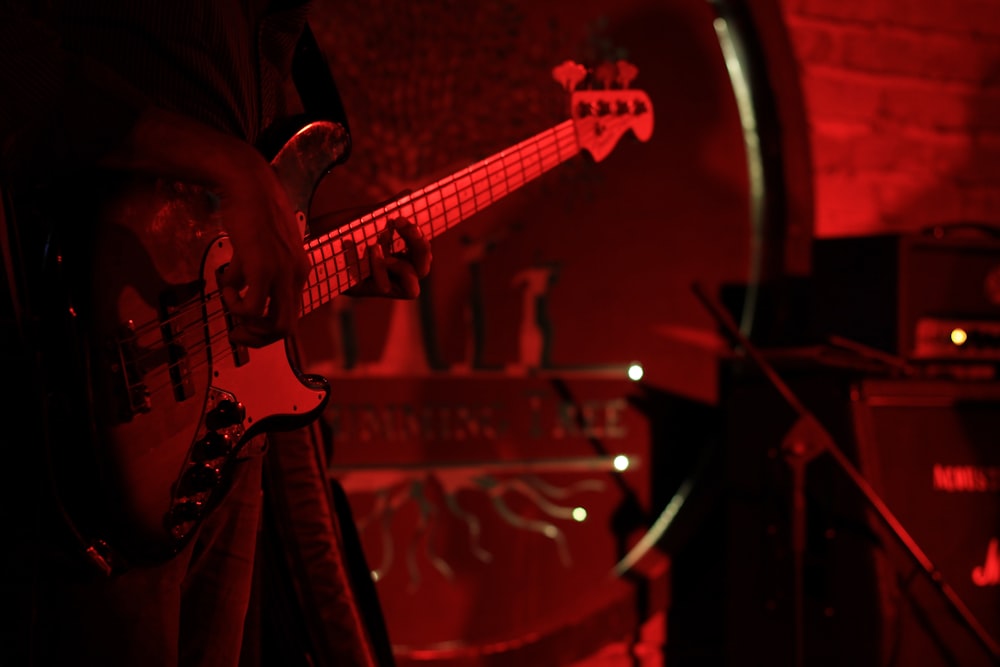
(603, 106)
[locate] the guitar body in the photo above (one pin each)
(171, 403)
(148, 406)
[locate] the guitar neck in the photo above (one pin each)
(435, 208)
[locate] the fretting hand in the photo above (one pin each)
(262, 286)
(394, 275)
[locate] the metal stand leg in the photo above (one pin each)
(806, 441)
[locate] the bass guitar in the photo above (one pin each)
(173, 402)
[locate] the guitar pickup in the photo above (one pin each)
(179, 311)
(241, 354)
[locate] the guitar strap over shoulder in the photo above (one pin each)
(310, 534)
(10, 309)
(314, 81)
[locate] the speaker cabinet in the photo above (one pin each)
(931, 450)
(734, 578)
(886, 290)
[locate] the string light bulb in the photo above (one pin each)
(635, 371)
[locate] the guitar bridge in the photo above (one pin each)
(133, 392)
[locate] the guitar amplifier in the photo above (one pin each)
(918, 296)
(930, 451)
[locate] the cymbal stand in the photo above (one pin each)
(807, 440)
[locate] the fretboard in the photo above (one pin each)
(435, 208)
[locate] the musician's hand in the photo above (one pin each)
(395, 275)
(262, 286)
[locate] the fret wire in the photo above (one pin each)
(406, 209)
(520, 155)
(443, 216)
(455, 190)
(431, 210)
(552, 148)
(470, 189)
(538, 152)
(483, 188)
(534, 162)
(555, 154)
(343, 281)
(449, 198)
(487, 191)
(319, 269)
(313, 297)
(337, 248)
(360, 237)
(544, 153)
(476, 192)
(309, 305)
(454, 195)
(526, 161)
(565, 129)
(518, 163)
(494, 175)
(501, 172)
(340, 267)
(369, 233)
(426, 213)
(540, 146)
(535, 145)
(458, 196)
(344, 276)
(506, 173)
(489, 185)
(568, 138)
(326, 253)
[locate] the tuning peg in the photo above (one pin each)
(606, 74)
(569, 75)
(626, 73)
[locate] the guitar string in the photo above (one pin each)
(316, 244)
(466, 192)
(214, 297)
(319, 248)
(423, 193)
(474, 176)
(326, 242)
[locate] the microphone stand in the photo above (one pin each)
(807, 440)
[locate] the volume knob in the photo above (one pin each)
(212, 446)
(225, 414)
(198, 478)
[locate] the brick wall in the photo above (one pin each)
(903, 102)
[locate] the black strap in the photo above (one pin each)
(314, 81)
(11, 314)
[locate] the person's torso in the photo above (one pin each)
(222, 61)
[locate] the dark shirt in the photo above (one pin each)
(75, 74)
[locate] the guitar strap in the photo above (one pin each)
(311, 533)
(11, 315)
(314, 82)
(18, 321)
